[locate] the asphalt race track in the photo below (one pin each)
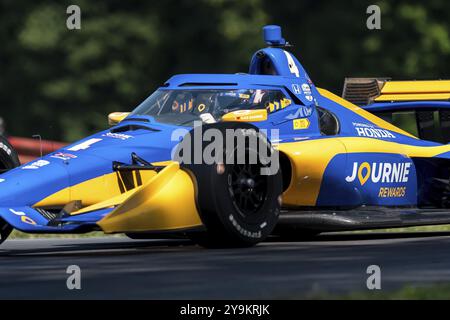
(120, 268)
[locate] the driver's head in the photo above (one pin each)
(204, 103)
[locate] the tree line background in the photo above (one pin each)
(62, 83)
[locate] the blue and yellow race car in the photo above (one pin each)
(302, 161)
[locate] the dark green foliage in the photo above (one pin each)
(61, 83)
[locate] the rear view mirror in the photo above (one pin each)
(115, 117)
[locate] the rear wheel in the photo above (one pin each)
(8, 160)
(8, 156)
(237, 199)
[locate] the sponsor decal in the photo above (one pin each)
(377, 172)
(201, 107)
(291, 64)
(296, 89)
(36, 165)
(244, 231)
(302, 112)
(398, 192)
(245, 115)
(306, 89)
(120, 136)
(63, 156)
(301, 124)
(23, 217)
(370, 131)
(277, 105)
(84, 145)
(385, 173)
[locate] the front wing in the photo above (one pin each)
(165, 203)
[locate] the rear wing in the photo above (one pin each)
(426, 102)
(365, 91)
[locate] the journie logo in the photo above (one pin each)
(383, 172)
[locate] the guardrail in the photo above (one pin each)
(32, 148)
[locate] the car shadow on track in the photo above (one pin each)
(346, 236)
(137, 247)
(98, 248)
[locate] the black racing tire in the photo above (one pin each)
(8, 160)
(238, 206)
(5, 230)
(8, 156)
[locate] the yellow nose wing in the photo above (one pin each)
(164, 203)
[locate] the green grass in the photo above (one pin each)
(431, 292)
(21, 235)
(440, 228)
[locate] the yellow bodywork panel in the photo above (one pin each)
(415, 90)
(114, 201)
(427, 86)
(361, 145)
(246, 115)
(308, 166)
(363, 113)
(116, 117)
(413, 97)
(166, 202)
(98, 189)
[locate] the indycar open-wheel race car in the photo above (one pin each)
(319, 162)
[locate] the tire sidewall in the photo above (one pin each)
(8, 156)
(256, 227)
(8, 160)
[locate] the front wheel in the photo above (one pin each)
(8, 160)
(5, 230)
(238, 196)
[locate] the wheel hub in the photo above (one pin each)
(247, 188)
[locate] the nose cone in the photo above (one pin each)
(84, 160)
(26, 185)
